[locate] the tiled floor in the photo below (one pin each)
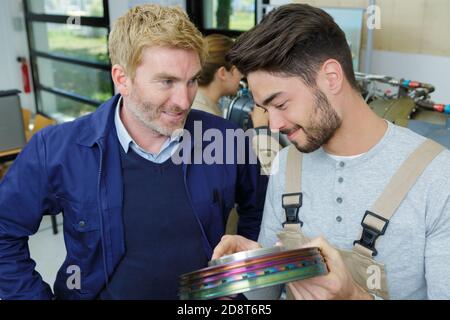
(48, 250)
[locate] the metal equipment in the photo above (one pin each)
(407, 103)
(251, 270)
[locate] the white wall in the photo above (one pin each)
(424, 68)
(13, 43)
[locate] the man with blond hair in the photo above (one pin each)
(134, 219)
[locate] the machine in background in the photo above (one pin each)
(403, 102)
(408, 104)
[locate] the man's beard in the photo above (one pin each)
(149, 114)
(323, 123)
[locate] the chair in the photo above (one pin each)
(26, 116)
(40, 122)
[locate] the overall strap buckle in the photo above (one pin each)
(373, 227)
(291, 203)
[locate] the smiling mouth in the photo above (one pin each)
(175, 115)
(292, 132)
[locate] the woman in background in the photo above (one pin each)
(218, 77)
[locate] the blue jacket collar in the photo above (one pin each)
(99, 123)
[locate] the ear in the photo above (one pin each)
(221, 73)
(332, 76)
(120, 79)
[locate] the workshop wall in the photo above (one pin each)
(411, 26)
(13, 43)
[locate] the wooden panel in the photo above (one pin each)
(407, 26)
(436, 29)
(413, 26)
(353, 3)
(383, 38)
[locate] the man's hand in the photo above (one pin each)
(232, 244)
(259, 117)
(338, 284)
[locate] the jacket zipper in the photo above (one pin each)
(100, 213)
(195, 212)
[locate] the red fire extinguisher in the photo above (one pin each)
(25, 74)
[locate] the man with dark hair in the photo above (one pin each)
(375, 191)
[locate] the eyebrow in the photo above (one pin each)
(171, 77)
(269, 99)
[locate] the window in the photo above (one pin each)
(83, 43)
(91, 8)
(69, 55)
(230, 17)
(236, 15)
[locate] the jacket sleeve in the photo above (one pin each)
(250, 194)
(24, 197)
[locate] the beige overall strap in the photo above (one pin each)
(376, 220)
(292, 197)
(293, 181)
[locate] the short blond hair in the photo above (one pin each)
(151, 25)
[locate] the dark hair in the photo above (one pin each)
(218, 46)
(295, 40)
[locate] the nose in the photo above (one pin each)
(276, 120)
(182, 97)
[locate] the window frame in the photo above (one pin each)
(195, 8)
(89, 21)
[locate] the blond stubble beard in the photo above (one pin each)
(147, 115)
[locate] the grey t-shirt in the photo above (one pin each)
(336, 194)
